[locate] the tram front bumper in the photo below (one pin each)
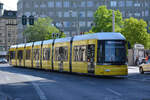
(111, 70)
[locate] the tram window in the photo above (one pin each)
(20, 54)
(12, 54)
(28, 54)
(91, 52)
(80, 53)
(46, 53)
(61, 53)
(36, 54)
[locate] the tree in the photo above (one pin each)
(103, 20)
(135, 31)
(41, 30)
(148, 44)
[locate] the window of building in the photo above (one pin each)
(82, 24)
(67, 24)
(89, 24)
(46, 53)
(137, 4)
(137, 14)
(66, 14)
(143, 13)
(28, 52)
(89, 14)
(43, 16)
(80, 53)
(113, 3)
(27, 13)
(1, 41)
(34, 13)
(129, 3)
(59, 14)
(146, 4)
(123, 13)
(26, 5)
(90, 4)
(121, 3)
(74, 14)
(61, 54)
(146, 13)
(58, 4)
(42, 5)
(82, 14)
(51, 13)
(83, 4)
(51, 4)
(66, 3)
(36, 6)
(9, 34)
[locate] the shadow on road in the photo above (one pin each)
(41, 73)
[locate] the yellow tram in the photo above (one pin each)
(97, 54)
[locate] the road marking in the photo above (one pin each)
(37, 88)
(39, 91)
(114, 92)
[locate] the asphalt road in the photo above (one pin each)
(29, 84)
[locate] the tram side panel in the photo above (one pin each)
(47, 56)
(37, 56)
(79, 56)
(12, 57)
(20, 56)
(28, 56)
(61, 56)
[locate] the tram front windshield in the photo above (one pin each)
(112, 52)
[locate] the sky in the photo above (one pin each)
(10, 4)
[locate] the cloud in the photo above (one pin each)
(10, 4)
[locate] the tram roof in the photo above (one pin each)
(13, 46)
(48, 41)
(101, 36)
(67, 39)
(38, 43)
(21, 45)
(29, 44)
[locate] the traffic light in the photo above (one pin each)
(31, 20)
(24, 20)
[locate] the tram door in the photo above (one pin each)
(61, 59)
(90, 58)
(20, 56)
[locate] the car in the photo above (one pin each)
(144, 67)
(3, 61)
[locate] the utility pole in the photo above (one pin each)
(70, 12)
(78, 25)
(113, 21)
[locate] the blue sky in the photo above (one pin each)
(10, 4)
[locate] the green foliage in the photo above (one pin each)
(148, 44)
(103, 20)
(41, 30)
(135, 31)
(88, 32)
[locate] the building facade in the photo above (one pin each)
(8, 29)
(75, 16)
